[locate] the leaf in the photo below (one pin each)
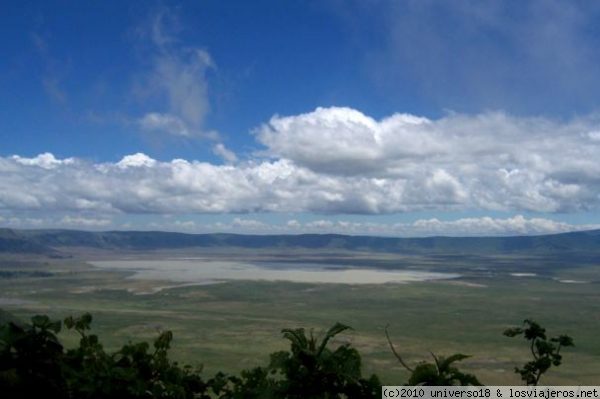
(465, 379)
(564, 340)
(332, 332)
(69, 322)
(40, 321)
(513, 332)
(544, 348)
(84, 321)
(297, 337)
(279, 359)
(55, 326)
(164, 340)
(423, 374)
(444, 363)
(534, 330)
(544, 351)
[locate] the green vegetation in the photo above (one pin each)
(233, 326)
(545, 352)
(441, 372)
(34, 363)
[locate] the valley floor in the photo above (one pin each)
(236, 324)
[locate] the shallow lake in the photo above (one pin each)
(204, 271)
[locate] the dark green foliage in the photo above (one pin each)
(257, 383)
(33, 363)
(135, 371)
(313, 370)
(441, 372)
(309, 370)
(30, 359)
(545, 352)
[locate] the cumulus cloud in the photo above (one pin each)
(135, 160)
(338, 161)
(485, 161)
(516, 225)
(250, 224)
(84, 222)
(482, 226)
(293, 224)
(479, 226)
(45, 161)
(67, 221)
(188, 225)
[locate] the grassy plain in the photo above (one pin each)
(234, 325)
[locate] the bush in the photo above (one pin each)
(33, 363)
(441, 372)
(545, 352)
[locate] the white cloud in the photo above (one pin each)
(486, 161)
(67, 221)
(293, 224)
(55, 70)
(338, 161)
(136, 160)
(180, 76)
(492, 226)
(164, 122)
(178, 80)
(320, 224)
(594, 136)
(480, 226)
(185, 225)
(248, 224)
(45, 160)
(83, 222)
(224, 152)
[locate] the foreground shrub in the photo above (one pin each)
(545, 352)
(33, 363)
(31, 359)
(310, 369)
(441, 372)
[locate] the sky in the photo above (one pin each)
(392, 118)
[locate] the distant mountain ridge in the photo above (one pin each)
(47, 241)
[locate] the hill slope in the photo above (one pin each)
(46, 241)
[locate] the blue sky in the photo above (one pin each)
(380, 117)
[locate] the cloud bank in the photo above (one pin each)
(490, 161)
(480, 226)
(339, 161)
